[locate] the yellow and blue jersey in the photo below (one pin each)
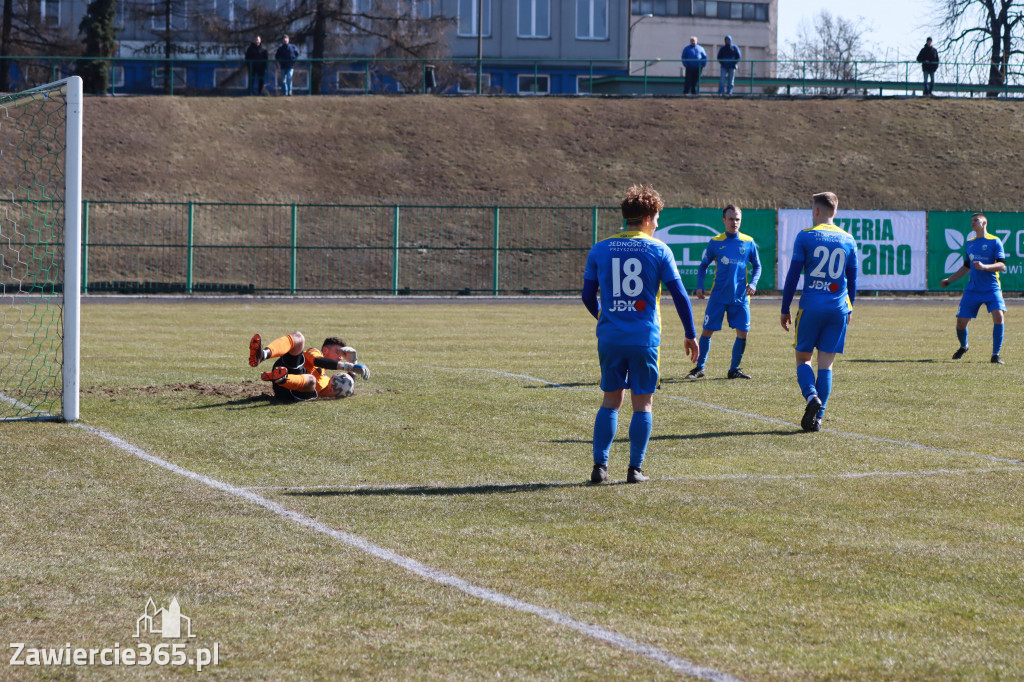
(731, 253)
(985, 250)
(629, 269)
(827, 257)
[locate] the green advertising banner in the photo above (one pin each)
(688, 230)
(947, 231)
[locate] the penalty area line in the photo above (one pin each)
(417, 568)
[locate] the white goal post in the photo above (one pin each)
(40, 251)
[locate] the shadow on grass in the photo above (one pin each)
(412, 491)
(886, 362)
(571, 384)
(689, 436)
(239, 404)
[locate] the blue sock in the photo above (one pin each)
(704, 345)
(605, 425)
(962, 335)
(997, 338)
(805, 378)
(824, 387)
(639, 434)
(738, 346)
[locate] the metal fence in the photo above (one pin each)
(282, 248)
(356, 75)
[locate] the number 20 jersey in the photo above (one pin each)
(629, 269)
(826, 252)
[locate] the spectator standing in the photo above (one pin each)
(694, 61)
(929, 58)
(728, 58)
(257, 57)
(286, 56)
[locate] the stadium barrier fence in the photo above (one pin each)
(193, 247)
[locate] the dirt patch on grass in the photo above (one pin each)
(892, 153)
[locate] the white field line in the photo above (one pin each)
(751, 415)
(659, 479)
(42, 414)
(557, 617)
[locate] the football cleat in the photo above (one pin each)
(599, 474)
(696, 373)
(810, 421)
(255, 350)
(996, 360)
(634, 475)
(960, 352)
(738, 374)
(275, 374)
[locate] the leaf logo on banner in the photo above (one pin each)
(955, 241)
(953, 262)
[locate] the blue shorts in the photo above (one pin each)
(739, 315)
(971, 302)
(632, 367)
(821, 329)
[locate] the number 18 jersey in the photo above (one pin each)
(826, 251)
(630, 268)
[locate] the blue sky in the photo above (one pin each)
(897, 24)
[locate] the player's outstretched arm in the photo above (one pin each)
(789, 289)
(683, 308)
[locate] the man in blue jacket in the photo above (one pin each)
(728, 57)
(694, 61)
(286, 56)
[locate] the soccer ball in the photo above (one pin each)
(342, 385)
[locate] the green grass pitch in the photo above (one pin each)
(889, 546)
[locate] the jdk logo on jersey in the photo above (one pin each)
(822, 285)
(621, 306)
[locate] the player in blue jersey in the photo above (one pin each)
(984, 259)
(731, 251)
(827, 257)
(629, 270)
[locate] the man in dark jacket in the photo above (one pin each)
(929, 58)
(256, 58)
(286, 56)
(728, 57)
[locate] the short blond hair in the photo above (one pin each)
(641, 201)
(826, 201)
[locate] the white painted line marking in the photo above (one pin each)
(751, 415)
(558, 618)
(40, 414)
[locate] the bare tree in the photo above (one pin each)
(831, 48)
(350, 29)
(985, 31)
(27, 30)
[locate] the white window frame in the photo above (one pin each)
(117, 77)
(531, 31)
(485, 85)
(180, 77)
(417, 5)
(355, 75)
(581, 88)
(178, 23)
(471, 32)
(591, 14)
(44, 8)
(221, 79)
(541, 78)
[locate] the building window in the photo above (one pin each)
(468, 17)
(117, 77)
(534, 18)
(351, 80)
(469, 86)
(50, 11)
(180, 76)
(423, 9)
(178, 19)
(231, 79)
(592, 19)
(736, 11)
(528, 84)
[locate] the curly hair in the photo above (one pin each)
(641, 201)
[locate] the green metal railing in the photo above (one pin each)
(291, 248)
(354, 75)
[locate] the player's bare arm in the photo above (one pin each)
(963, 270)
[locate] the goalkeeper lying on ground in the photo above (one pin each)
(299, 374)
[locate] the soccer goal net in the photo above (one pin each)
(40, 251)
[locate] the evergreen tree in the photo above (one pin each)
(100, 41)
